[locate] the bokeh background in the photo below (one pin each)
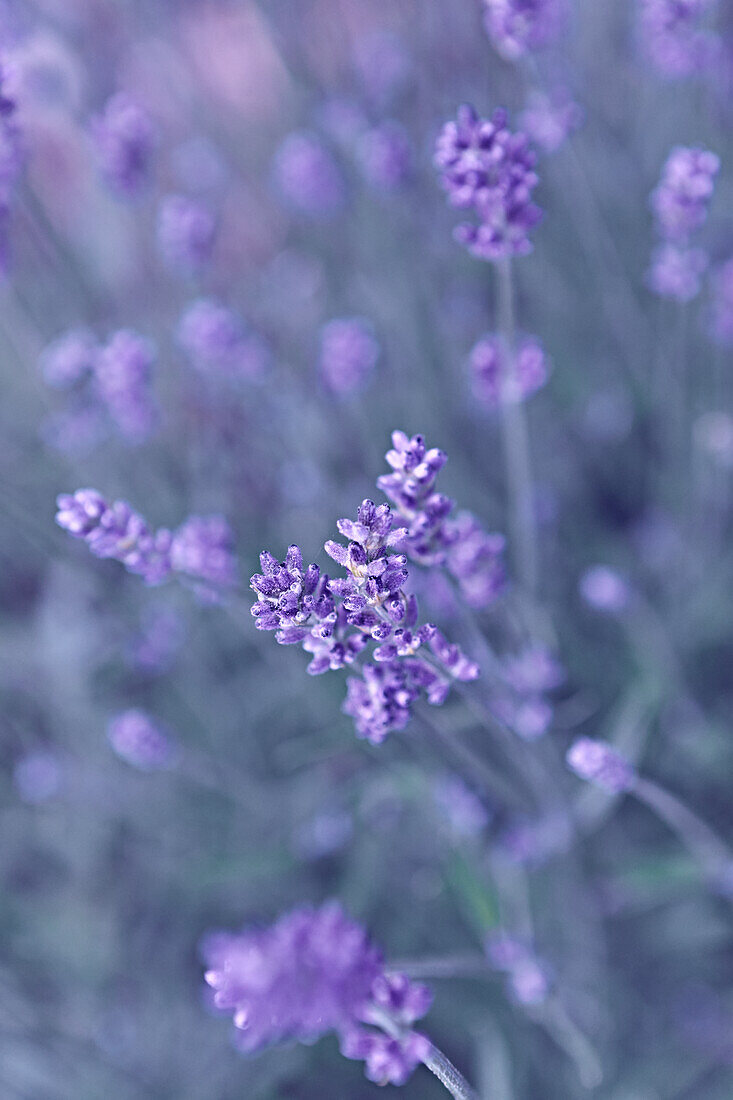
(307, 128)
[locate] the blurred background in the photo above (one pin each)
(280, 170)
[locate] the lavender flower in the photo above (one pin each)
(349, 353)
(464, 812)
(218, 341)
(601, 764)
(493, 384)
(548, 120)
(518, 27)
(307, 176)
(69, 359)
(604, 589)
(486, 168)
(185, 233)
(141, 741)
(204, 547)
(123, 374)
(527, 980)
(675, 38)
(529, 676)
(675, 272)
(384, 155)
(680, 200)
(312, 972)
(124, 139)
(430, 536)
(721, 319)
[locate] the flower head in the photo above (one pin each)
(69, 358)
(348, 354)
(675, 38)
(203, 547)
(123, 371)
(493, 384)
(308, 177)
(141, 741)
(125, 140)
(218, 342)
(680, 200)
(185, 233)
(518, 27)
(601, 764)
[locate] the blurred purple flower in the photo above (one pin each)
(493, 384)
(69, 358)
(680, 200)
(123, 371)
(348, 354)
(604, 589)
(124, 139)
(464, 812)
(204, 547)
(384, 154)
(601, 764)
(548, 120)
(675, 38)
(141, 741)
(185, 233)
(486, 168)
(518, 27)
(307, 177)
(218, 341)
(676, 272)
(38, 776)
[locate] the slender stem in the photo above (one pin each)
(697, 837)
(448, 1075)
(515, 438)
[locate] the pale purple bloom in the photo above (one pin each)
(518, 27)
(69, 358)
(494, 383)
(307, 176)
(675, 36)
(141, 741)
(527, 980)
(680, 200)
(601, 764)
(38, 776)
(154, 646)
(125, 139)
(464, 812)
(388, 1060)
(676, 271)
(185, 233)
(721, 319)
(203, 547)
(218, 341)
(548, 120)
(486, 168)
(604, 589)
(384, 154)
(348, 354)
(123, 372)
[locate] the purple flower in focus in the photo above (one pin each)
(312, 972)
(204, 547)
(384, 155)
(675, 271)
(492, 382)
(680, 200)
(185, 233)
(675, 38)
(124, 139)
(518, 27)
(601, 764)
(123, 372)
(307, 176)
(348, 355)
(721, 319)
(548, 120)
(141, 741)
(69, 358)
(486, 168)
(219, 342)
(604, 589)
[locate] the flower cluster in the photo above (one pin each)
(201, 548)
(675, 38)
(348, 354)
(680, 205)
(312, 972)
(335, 619)
(493, 384)
(430, 535)
(518, 27)
(185, 233)
(486, 168)
(124, 138)
(601, 764)
(219, 343)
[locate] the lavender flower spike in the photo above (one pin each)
(185, 233)
(518, 27)
(601, 764)
(140, 741)
(123, 374)
(680, 200)
(116, 531)
(125, 139)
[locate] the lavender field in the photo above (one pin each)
(366, 592)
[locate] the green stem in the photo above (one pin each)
(448, 1075)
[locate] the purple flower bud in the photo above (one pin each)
(123, 375)
(675, 38)
(218, 342)
(680, 200)
(307, 176)
(675, 272)
(204, 547)
(349, 353)
(185, 233)
(604, 589)
(141, 741)
(385, 156)
(518, 27)
(493, 382)
(548, 120)
(69, 358)
(601, 764)
(124, 139)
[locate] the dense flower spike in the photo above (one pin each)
(601, 764)
(348, 354)
(491, 381)
(675, 37)
(486, 168)
(312, 972)
(430, 535)
(308, 177)
(518, 27)
(680, 201)
(123, 371)
(124, 139)
(141, 741)
(676, 271)
(185, 233)
(218, 342)
(200, 548)
(336, 619)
